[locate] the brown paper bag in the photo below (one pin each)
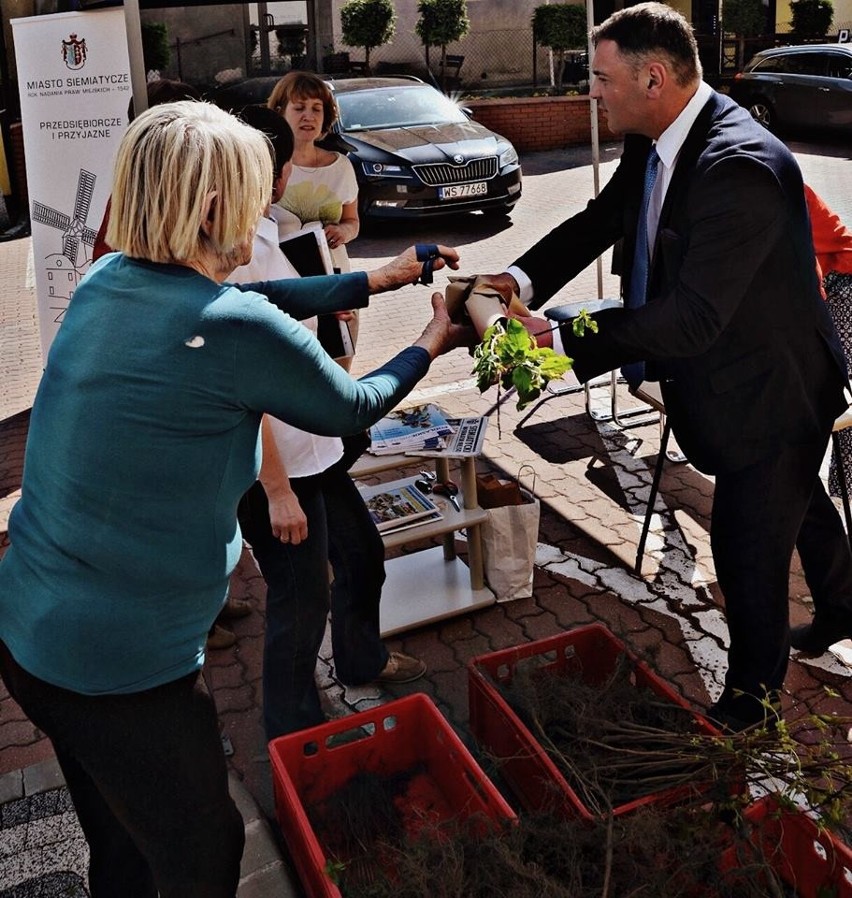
(510, 539)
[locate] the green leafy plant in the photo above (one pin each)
(367, 24)
(334, 870)
(584, 322)
(811, 18)
(509, 356)
(562, 28)
(745, 19)
(155, 46)
(441, 22)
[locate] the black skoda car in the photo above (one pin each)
(416, 153)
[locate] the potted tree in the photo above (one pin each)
(367, 24)
(441, 22)
(811, 18)
(155, 46)
(745, 19)
(562, 28)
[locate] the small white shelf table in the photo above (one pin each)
(431, 584)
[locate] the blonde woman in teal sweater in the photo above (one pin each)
(143, 438)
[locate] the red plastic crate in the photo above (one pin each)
(813, 862)
(590, 651)
(403, 733)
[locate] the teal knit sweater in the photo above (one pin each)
(143, 437)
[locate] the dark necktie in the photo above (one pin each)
(634, 373)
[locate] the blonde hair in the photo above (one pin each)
(304, 86)
(177, 163)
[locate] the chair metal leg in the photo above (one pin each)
(564, 389)
(844, 493)
(673, 455)
(652, 496)
(643, 414)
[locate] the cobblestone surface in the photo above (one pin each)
(592, 479)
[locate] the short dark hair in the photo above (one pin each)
(653, 28)
(275, 128)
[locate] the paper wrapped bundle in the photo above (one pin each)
(472, 300)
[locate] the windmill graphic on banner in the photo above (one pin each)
(64, 269)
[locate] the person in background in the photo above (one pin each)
(304, 512)
(322, 185)
(722, 306)
(833, 248)
(142, 439)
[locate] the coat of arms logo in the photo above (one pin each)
(74, 52)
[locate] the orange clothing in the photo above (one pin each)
(832, 239)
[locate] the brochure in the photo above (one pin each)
(400, 506)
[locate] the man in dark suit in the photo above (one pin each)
(725, 310)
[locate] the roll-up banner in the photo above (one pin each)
(74, 78)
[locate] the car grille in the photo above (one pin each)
(446, 173)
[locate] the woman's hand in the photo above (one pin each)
(406, 268)
(440, 334)
(339, 234)
(289, 522)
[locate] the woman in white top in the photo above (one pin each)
(322, 185)
(304, 513)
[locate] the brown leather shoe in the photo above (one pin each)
(402, 669)
(220, 638)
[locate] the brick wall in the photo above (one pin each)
(540, 123)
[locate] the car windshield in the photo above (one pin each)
(404, 107)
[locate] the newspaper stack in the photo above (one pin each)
(410, 429)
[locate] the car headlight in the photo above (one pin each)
(508, 157)
(373, 169)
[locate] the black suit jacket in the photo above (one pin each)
(735, 327)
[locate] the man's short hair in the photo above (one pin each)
(171, 161)
(304, 86)
(653, 28)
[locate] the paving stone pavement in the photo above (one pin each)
(592, 479)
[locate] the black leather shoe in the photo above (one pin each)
(823, 631)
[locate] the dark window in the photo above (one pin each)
(839, 65)
(794, 64)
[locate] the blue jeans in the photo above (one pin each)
(298, 598)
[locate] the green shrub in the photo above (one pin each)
(367, 24)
